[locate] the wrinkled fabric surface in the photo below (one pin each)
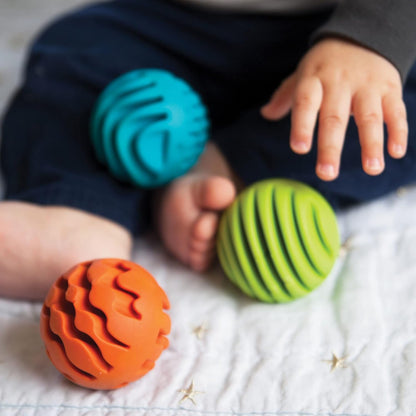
(253, 358)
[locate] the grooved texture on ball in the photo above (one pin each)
(103, 323)
(278, 240)
(148, 127)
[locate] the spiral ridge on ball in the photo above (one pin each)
(103, 323)
(148, 127)
(278, 241)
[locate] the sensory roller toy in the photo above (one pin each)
(278, 240)
(149, 127)
(103, 323)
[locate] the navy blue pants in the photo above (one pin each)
(235, 61)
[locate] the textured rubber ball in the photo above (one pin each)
(104, 323)
(149, 127)
(278, 241)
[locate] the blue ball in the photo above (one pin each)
(149, 127)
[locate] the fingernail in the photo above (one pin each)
(326, 169)
(398, 149)
(373, 163)
(300, 146)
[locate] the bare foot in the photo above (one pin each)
(188, 209)
(38, 244)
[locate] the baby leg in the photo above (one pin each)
(61, 205)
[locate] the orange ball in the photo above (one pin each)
(103, 323)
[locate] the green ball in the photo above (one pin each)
(278, 240)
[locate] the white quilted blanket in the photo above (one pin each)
(245, 358)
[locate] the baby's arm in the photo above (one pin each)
(339, 77)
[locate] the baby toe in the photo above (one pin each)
(205, 226)
(213, 192)
(200, 261)
(202, 245)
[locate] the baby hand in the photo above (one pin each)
(337, 78)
